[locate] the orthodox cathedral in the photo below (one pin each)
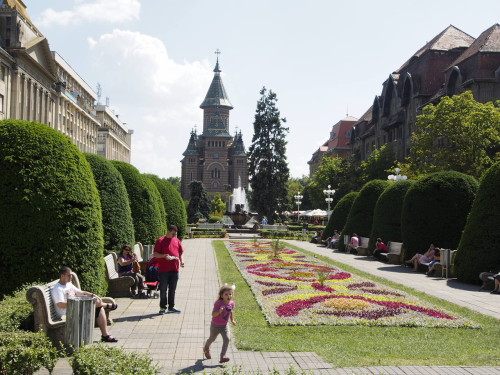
(215, 157)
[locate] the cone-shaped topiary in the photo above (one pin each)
(361, 214)
(174, 204)
(199, 205)
(387, 214)
(148, 212)
(479, 249)
(116, 214)
(51, 213)
(435, 209)
(339, 214)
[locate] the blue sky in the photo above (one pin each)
(154, 60)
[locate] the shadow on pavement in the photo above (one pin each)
(134, 318)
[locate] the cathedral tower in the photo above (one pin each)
(215, 157)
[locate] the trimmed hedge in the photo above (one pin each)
(51, 212)
(360, 217)
(116, 213)
(24, 353)
(435, 209)
(148, 212)
(387, 214)
(106, 360)
(339, 215)
(16, 312)
(173, 203)
(479, 248)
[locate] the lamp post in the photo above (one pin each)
(329, 192)
(298, 200)
(396, 177)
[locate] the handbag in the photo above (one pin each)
(136, 267)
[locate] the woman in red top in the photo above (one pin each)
(380, 247)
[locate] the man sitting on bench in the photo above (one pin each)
(65, 289)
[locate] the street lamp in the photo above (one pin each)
(298, 199)
(396, 177)
(328, 192)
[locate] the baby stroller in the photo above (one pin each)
(152, 278)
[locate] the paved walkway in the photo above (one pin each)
(175, 340)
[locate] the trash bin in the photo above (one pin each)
(80, 321)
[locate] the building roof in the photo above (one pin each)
(448, 39)
(192, 148)
(488, 41)
(216, 95)
(238, 145)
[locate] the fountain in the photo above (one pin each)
(238, 216)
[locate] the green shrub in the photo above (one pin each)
(16, 312)
(360, 216)
(24, 353)
(387, 214)
(51, 212)
(148, 211)
(208, 233)
(435, 209)
(478, 250)
(173, 203)
(107, 360)
(339, 215)
(214, 219)
(116, 214)
(199, 204)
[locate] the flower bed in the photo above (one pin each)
(294, 289)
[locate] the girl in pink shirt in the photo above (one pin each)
(221, 315)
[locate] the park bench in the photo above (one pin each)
(446, 264)
(274, 227)
(395, 254)
(362, 248)
(118, 286)
(45, 316)
(210, 225)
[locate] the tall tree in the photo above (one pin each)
(268, 167)
(457, 134)
(199, 204)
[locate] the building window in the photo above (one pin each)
(215, 173)
(2, 72)
(1, 103)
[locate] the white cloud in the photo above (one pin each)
(157, 97)
(112, 11)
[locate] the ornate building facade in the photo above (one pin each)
(215, 157)
(451, 63)
(37, 84)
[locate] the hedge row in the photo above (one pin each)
(51, 211)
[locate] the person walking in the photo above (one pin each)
(222, 313)
(168, 250)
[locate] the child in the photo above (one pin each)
(222, 313)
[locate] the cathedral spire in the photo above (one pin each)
(216, 95)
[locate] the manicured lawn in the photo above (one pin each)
(346, 346)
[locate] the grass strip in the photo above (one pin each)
(349, 346)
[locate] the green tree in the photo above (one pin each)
(378, 164)
(199, 205)
(435, 209)
(296, 185)
(217, 205)
(387, 214)
(148, 211)
(478, 250)
(340, 174)
(360, 217)
(51, 211)
(116, 213)
(173, 203)
(268, 167)
(457, 134)
(175, 182)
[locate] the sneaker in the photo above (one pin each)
(162, 311)
(494, 292)
(173, 311)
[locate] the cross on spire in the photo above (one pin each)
(217, 52)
